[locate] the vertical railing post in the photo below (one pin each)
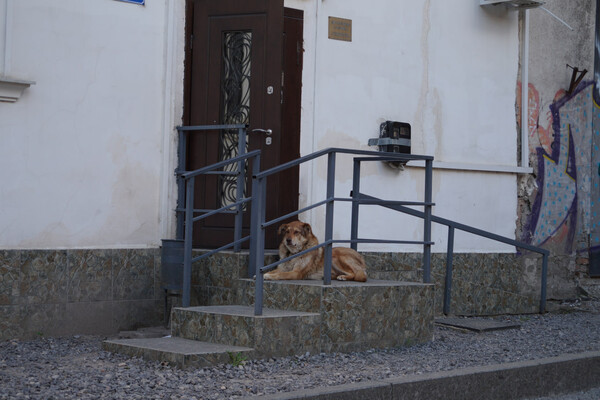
(259, 247)
(355, 194)
(329, 217)
(449, 260)
(544, 282)
(254, 224)
(427, 222)
(181, 162)
(187, 246)
(240, 185)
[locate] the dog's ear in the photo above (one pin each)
(282, 229)
(306, 230)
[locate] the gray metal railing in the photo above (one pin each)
(184, 133)
(259, 224)
(185, 202)
(452, 226)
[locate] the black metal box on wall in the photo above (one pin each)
(394, 137)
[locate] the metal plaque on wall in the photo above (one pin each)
(340, 29)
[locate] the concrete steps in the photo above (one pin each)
(299, 317)
(275, 333)
(183, 353)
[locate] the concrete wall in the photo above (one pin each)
(86, 162)
(414, 62)
(81, 152)
(555, 202)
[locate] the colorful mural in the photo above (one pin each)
(561, 141)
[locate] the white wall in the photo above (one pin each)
(80, 152)
(87, 154)
(447, 68)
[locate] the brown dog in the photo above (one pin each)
(346, 264)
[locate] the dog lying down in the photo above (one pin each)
(346, 264)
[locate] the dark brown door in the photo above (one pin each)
(234, 76)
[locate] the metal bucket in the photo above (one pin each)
(171, 264)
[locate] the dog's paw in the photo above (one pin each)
(341, 278)
(268, 277)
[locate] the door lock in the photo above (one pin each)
(269, 132)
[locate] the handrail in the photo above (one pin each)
(259, 224)
(183, 133)
(452, 225)
(186, 180)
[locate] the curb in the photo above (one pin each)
(517, 380)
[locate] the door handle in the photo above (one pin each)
(267, 131)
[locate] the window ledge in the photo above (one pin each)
(12, 89)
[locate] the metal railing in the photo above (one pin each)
(259, 224)
(185, 202)
(452, 226)
(182, 149)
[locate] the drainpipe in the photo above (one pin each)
(525, 89)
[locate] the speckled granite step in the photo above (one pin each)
(181, 352)
(357, 316)
(275, 333)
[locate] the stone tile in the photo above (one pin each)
(12, 321)
(92, 318)
(90, 275)
(10, 272)
(133, 274)
(292, 297)
(44, 277)
(129, 315)
(45, 320)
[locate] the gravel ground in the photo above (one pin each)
(77, 368)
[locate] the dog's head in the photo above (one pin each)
(295, 235)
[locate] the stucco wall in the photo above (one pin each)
(447, 68)
(81, 152)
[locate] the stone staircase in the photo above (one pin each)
(298, 317)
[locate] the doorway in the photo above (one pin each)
(243, 66)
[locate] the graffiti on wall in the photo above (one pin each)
(560, 138)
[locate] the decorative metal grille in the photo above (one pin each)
(235, 106)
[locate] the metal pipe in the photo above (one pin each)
(187, 246)
(254, 223)
(449, 260)
(376, 154)
(525, 90)
(544, 283)
(220, 164)
(260, 247)
(210, 127)
(427, 222)
(240, 185)
(355, 204)
(181, 163)
(329, 217)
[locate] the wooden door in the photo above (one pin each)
(234, 76)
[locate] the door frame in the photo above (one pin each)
(274, 123)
